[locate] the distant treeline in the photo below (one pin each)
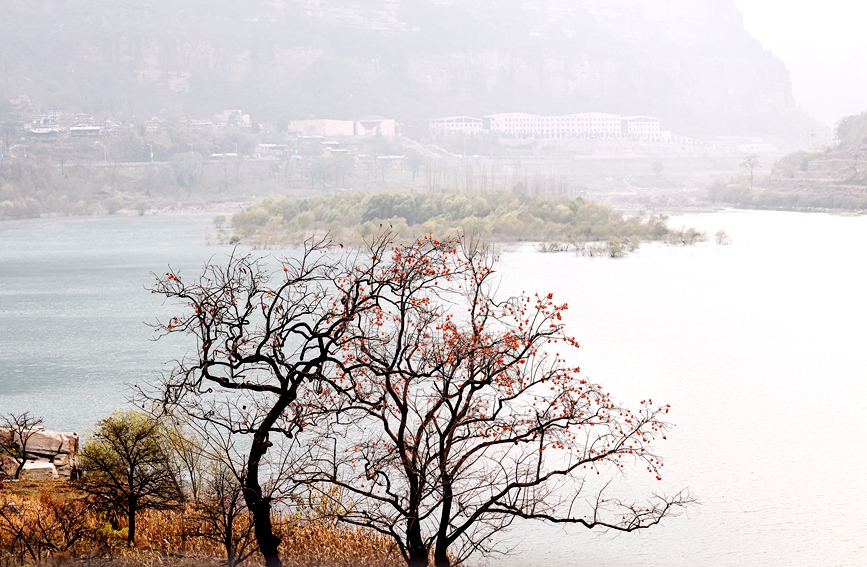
(494, 215)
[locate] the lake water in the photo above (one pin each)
(758, 346)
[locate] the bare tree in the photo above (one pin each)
(455, 418)
(222, 517)
(220, 514)
(18, 431)
(263, 343)
(413, 161)
(750, 163)
(189, 456)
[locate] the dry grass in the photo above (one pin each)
(55, 525)
(321, 544)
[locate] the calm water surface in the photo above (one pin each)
(758, 347)
(73, 307)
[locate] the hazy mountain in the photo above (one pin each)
(690, 62)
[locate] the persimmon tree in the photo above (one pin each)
(454, 413)
(265, 341)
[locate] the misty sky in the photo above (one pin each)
(824, 45)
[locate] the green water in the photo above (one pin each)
(73, 307)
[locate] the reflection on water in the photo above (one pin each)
(758, 347)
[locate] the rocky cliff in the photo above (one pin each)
(48, 454)
(690, 62)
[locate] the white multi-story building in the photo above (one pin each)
(520, 125)
(644, 129)
(570, 126)
(456, 124)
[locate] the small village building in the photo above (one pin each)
(44, 133)
(272, 150)
(85, 132)
(328, 128)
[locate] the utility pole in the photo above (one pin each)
(152, 152)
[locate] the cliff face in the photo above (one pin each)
(690, 62)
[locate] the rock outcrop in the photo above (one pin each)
(50, 454)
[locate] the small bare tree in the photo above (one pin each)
(750, 163)
(220, 514)
(15, 436)
(455, 418)
(189, 456)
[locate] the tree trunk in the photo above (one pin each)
(20, 467)
(228, 540)
(260, 508)
(418, 553)
(260, 505)
(130, 532)
(441, 551)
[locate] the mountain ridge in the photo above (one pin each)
(689, 62)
